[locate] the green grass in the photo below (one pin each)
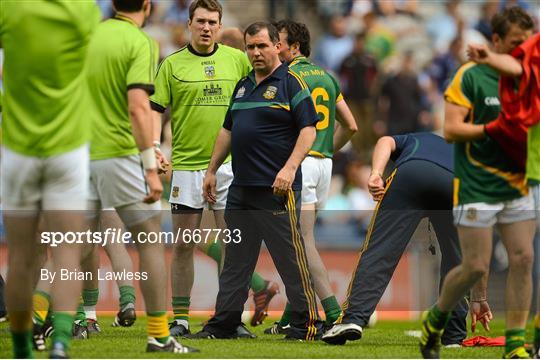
(386, 340)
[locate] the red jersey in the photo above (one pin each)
(521, 106)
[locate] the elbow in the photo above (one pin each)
(139, 111)
(384, 140)
(310, 134)
(353, 129)
(449, 134)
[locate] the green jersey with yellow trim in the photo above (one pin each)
(46, 103)
(121, 57)
(483, 172)
(198, 88)
(325, 94)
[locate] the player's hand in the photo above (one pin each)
(283, 181)
(209, 187)
(376, 186)
(154, 185)
(163, 163)
(479, 53)
(480, 312)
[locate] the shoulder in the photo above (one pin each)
(293, 78)
(467, 70)
(178, 54)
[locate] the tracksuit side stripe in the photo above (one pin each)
(302, 264)
(365, 246)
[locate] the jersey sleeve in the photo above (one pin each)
(339, 95)
(161, 98)
(460, 89)
(227, 123)
(401, 142)
(140, 74)
(301, 104)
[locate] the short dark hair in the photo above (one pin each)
(256, 27)
(500, 23)
(128, 5)
(210, 5)
(296, 33)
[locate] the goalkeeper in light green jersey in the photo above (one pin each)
(197, 82)
(317, 167)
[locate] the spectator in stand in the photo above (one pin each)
(443, 27)
(233, 37)
(178, 13)
(358, 74)
(391, 7)
(177, 39)
(335, 45)
(401, 101)
(489, 8)
(444, 66)
(380, 40)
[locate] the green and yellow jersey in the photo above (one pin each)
(198, 88)
(121, 57)
(483, 172)
(46, 103)
(325, 94)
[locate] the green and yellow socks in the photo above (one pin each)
(180, 306)
(41, 302)
(332, 310)
(127, 295)
(157, 326)
(330, 305)
(90, 300)
(438, 319)
(515, 344)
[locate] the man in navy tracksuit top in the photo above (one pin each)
(419, 186)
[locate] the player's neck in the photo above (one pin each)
(136, 17)
(260, 76)
(203, 49)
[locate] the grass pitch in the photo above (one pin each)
(386, 340)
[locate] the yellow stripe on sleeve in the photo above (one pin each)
(454, 93)
(300, 80)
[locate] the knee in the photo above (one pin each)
(183, 250)
(475, 269)
(521, 260)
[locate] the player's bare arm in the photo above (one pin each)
(285, 176)
(479, 307)
(163, 163)
(222, 148)
(503, 63)
(381, 155)
(347, 125)
(455, 127)
(142, 128)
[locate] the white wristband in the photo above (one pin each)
(148, 158)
